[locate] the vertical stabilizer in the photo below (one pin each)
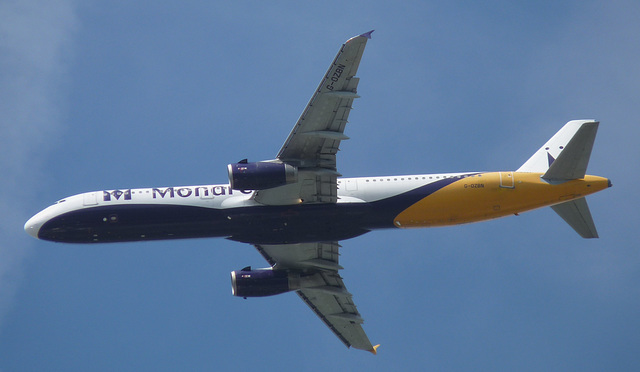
(566, 155)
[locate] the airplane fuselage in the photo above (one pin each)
(364, 204)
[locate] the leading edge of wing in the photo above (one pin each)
(341, 89)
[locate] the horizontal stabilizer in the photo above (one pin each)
(576, 213)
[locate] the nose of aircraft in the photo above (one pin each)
(32, 227)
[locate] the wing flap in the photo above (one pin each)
(301, 255)
(340, 315)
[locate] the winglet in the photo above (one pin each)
(367, 34)
(374, 350)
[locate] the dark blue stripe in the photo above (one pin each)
(386, 210)
(256, 225)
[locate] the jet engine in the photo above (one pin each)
(263, 282)
(260, 175)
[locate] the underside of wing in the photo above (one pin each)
(315, 138)
(321, 287)
(339, 313)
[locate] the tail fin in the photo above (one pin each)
(565, 157)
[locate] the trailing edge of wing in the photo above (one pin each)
(339, 313)
(315, 139)
(327, 110)
(328, 298)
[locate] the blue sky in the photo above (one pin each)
(102, 95)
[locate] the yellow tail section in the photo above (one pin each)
(492, 195)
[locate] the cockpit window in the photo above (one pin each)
(61, 201)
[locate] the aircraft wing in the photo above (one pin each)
(314, 140)
(323, 290)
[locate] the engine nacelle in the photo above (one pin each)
(264, 282)
(260, 175)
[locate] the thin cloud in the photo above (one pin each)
(35, 38)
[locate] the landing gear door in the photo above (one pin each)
(506, 180)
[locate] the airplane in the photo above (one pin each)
(296, 208)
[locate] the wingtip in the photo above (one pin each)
(367, 34)
(374, 350)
